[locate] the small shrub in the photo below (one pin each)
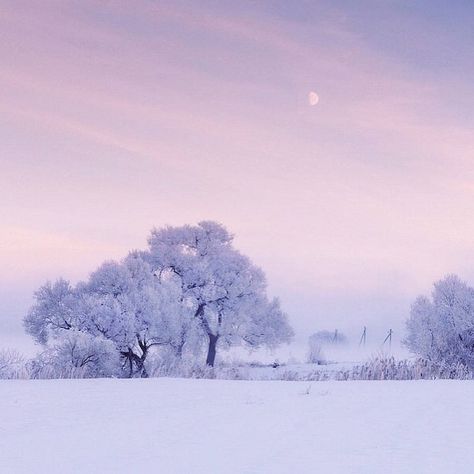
(12, 365)
(76, 355)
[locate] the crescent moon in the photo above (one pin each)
(313, 98)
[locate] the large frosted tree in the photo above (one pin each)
(224, 293)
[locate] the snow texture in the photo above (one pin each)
(217, 426)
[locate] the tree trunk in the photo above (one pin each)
(143, 373)
(211, 352)
(140, 364)
(136, 361)
(128, 361)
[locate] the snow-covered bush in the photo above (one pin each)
(388, 368)
(12, 365)
(76, 354)
(441, 329)
(161, 365)
(164, 363)
(383, 368)
(290, 375)
(232, 373)
(315, 352)
(321, 339)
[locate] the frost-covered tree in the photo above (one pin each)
(12, 364)
(223, 292)
(127, 304)
(421, 329)
(123, 303)
(53, 311)
(441, 329)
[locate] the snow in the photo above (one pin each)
(222, 426)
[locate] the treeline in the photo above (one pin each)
(169, 309)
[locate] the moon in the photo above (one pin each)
(313, 98)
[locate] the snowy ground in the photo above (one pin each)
(218, 426)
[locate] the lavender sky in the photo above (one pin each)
(119, 116)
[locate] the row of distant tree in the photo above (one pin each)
(191, 294)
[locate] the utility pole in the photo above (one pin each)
(363, 338)
(389, 339)
(334, 339)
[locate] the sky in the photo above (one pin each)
(117, 117)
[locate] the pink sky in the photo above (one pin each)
(115, 119)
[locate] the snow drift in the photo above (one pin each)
(203, 426)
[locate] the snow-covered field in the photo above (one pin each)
(218, 426)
